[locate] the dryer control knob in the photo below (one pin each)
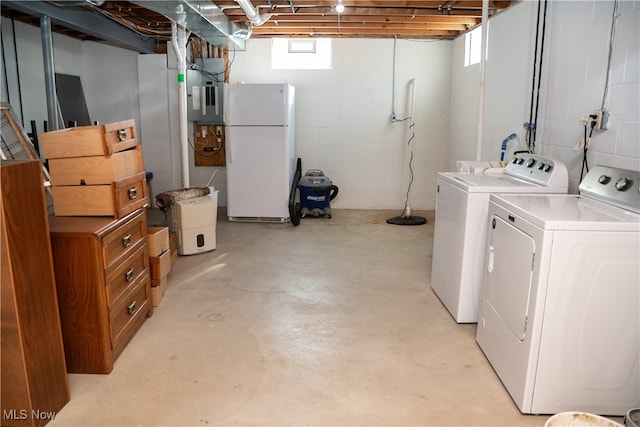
(547, 168)
(623, 184)
(604, 179)
(515, 160)
(531, 162)
(541, 166)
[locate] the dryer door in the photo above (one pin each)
(509, 274)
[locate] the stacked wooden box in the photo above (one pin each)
(96, 170)
(160, 261)
(99, 240)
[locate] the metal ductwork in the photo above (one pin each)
(203, 18)
(86, 21)
(68, 3)
(252, 13)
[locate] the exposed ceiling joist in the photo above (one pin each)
(85, 21)
(420, 19)
(146, 22)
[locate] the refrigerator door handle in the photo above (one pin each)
(229, 149)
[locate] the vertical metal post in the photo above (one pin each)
(49, 72)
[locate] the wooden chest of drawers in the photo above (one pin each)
(103, 283)
(96, 170)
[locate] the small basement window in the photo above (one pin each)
(473, 46)
(301, 54)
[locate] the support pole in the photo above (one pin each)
(483, 66)
(179, 42)
(49, 72)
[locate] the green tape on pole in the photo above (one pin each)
(180, 78)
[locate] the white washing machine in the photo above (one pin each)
(460, 232)
(558, 317)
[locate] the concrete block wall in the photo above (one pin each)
(573, 80)
(343, 117)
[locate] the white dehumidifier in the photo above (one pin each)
(195, 223)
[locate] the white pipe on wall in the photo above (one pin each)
(179, 43)
(483, 66)
(412, 118)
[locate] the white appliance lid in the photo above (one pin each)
(567, 212)
(495, 183)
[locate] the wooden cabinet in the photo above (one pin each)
(34, 377)
(102, 277)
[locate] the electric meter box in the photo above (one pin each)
(205, 91)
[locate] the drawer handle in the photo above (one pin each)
(122, 134)
(128, 276)
(131, 308)
(126, 240)
(133, 193)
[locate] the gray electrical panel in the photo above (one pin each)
(205, 91)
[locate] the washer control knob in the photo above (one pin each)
(531, 162)
(515, 161)
(547, 168)
(623, 184)
(520, 161)
(541, 166)
(604, 179)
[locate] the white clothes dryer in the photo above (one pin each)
(461, 224)
(558, 317)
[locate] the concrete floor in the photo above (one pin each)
(332, 323)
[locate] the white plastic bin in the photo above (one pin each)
(579, 419)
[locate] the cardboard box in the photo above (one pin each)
(158, 288)
(160, 266)
(84, 141)
(157, 240)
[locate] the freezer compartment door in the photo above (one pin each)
(260, 161)
(259, 105)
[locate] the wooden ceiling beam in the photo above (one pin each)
(377, 19)
(323, 32)
(356, 26)
(434, 4)
(239, 13)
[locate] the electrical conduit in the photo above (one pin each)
(178, 40)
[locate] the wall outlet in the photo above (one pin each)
(602, 119)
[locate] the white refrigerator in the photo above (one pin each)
(260, 151)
